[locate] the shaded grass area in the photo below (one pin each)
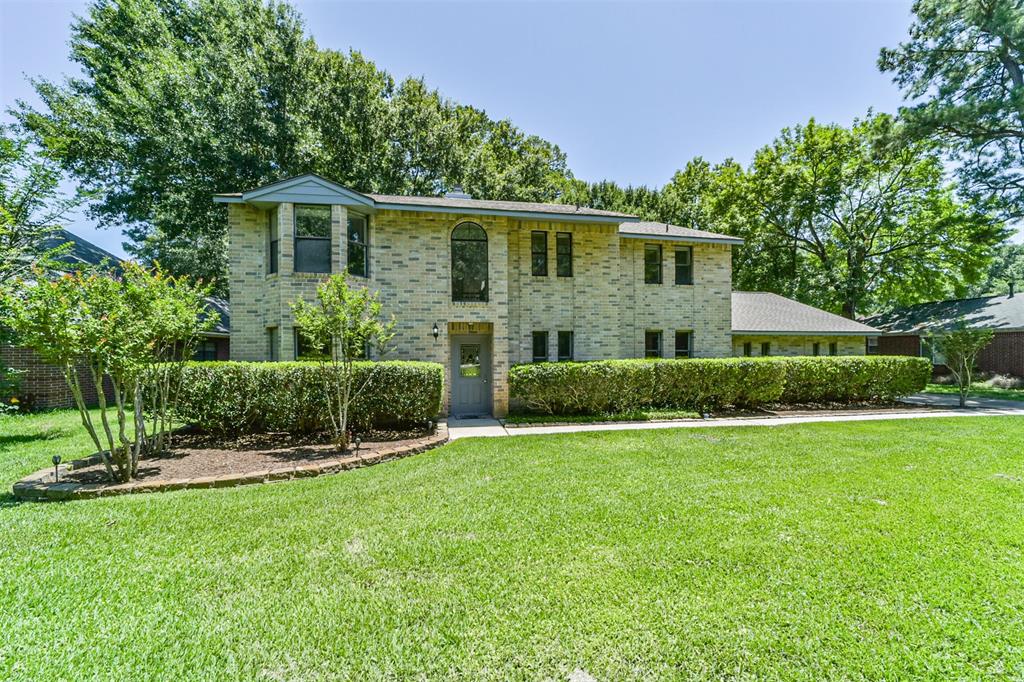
(978, 390)
(633, 416)
(889, 549)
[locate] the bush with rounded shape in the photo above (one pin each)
(254, 397)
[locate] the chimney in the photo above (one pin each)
(457, 193)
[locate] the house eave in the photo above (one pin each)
(789, 332)
(525, 215)
(677, 238)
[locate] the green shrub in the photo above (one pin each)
(253, 397)
(625, 385)
(853, 378)
(612, 386)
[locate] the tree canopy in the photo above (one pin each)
(963, 69)
(181, 99)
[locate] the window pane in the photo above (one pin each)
(313, 221)
(312, 255)
(565, 346)
(816, 349)
(683, 344)
(469, 360)
(747, 349)
(469, 263)
(273, 238)
(358, 247)
(563, 248)
(539, 253)
(540, 346)
(684, 265)
(272, 267)
(833, 348)
(766, 348)
(652, 264)
(652, 344)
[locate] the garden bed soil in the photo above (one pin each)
(194, 454)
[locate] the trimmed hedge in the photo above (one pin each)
(707, 384)
(853, 379)
(254, 397)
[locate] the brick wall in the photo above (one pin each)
(792, 346)
(899, 345)
(1005, 355)
(42, 386)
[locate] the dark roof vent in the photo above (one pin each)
(457, 193)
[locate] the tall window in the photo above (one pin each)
(766, 348)
(652, 263)
(684, 265)
(539, 253)
(563, 253)
(273, 236)
(748, 349)
(652, 344)
(272, 352)
(816, 349)
(565, 346)
(305, 351)
(358, 246)
(540, 346)
(312, 238)
(833, 348)
(469, 263)
(684, 341)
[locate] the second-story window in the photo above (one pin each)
(652, 263)
(539, 253)
(469, 263)
(273, 245)
(563, 252)
(684, 265)
(312, 238)
(358, 246)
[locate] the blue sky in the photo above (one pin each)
(630, 91)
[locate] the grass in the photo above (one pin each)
(634, 416)
(881, 550)
(978, 390)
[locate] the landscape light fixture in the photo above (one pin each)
(56, 464)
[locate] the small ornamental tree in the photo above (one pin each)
(345, 322)
(960, 348)
(131, 332)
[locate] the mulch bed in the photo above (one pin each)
(195, 454)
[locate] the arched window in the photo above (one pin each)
(469, 263)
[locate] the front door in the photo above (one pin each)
(471, 375)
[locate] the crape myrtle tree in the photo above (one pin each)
(961, 347)
(133, 331)
(181, 99)
(343, 324)
(962, 70)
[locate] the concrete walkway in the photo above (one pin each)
(943, 400)
(488, 428)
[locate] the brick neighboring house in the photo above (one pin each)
(910, 330)
(42, 386)
(480, 285)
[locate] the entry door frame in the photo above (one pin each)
(486, 407)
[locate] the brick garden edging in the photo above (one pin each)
(41, 487)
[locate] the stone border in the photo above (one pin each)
(40, 486)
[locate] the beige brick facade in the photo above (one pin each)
(799, 345)
(605, 302)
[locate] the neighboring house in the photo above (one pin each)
(769, 324)
(910, 330)
(479, 286)
(42, 386)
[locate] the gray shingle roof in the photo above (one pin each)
(665, 231)
(81, 252)
(218, 306)
(471, 205)
(988, 312)
(757, 312)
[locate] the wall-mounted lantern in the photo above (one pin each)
(435, 331)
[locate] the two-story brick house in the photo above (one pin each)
(478, 285)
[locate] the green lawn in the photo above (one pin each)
(890, 549)
(978, 391)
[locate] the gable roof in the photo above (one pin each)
(220, 307)
(759, 312)
(312, 188)
(81, 252)
(649, 230)
(1001, 313)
